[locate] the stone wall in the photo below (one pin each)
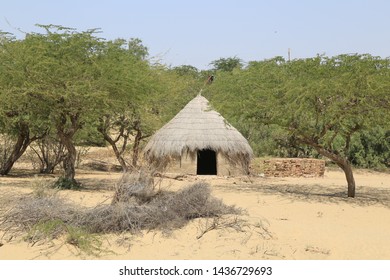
(293, 167)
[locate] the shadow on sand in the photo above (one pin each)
(365, 196)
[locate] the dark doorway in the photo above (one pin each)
(206, 162)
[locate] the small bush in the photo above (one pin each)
(42, 187)
(84, 240)
(135, 186)
(45, 230)
(66, 184)
(46, 154)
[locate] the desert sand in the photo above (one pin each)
(285, 218)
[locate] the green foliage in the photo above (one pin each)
(71, 83)
(42, 230)
(187, 70)
(320, 102)
(87, 242)
(227, 64)
(89, 136)
(321, 99)
(371, 149)
(23, 114)
(132, 87)
(176, 90)
(84, 90)
(137, 48)
(48, 83)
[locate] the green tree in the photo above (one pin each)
(68, 73)
(55, 74)
(184, 70)
(137, 48)
(227, 64)
(371, 148)
(79, 83)
(23, 114)
(130, 83)
(320, 102)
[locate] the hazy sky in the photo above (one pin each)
(197, 32)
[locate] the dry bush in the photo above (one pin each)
(164, 210)
(137, 186)
(43, 187)
(46, 154)
(161, 210)
(28, 211)
(41, 219)
(196, 201)
(227, 222)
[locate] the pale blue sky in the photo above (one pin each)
(198, 32)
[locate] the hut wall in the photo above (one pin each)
(226, 169)
(183, 166)
(188, 166)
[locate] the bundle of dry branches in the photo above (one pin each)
(165, 211)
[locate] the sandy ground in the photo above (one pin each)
(286, 218)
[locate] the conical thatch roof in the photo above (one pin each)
(197, 127)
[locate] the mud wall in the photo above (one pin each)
(293, 167)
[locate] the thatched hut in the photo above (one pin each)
(198, 132)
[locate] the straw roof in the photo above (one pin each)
(197, 127)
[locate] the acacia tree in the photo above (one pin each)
(70, 75)
(227, 64)
(75, 82)
(130, 84)
(137, 103)
(321, 102)
(23, 115)
(58, 73)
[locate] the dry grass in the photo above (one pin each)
(136, 207)
(137, 186)
(29, 210)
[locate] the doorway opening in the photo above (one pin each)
(206, 162)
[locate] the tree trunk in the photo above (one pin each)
(69, 166)
(347, 168)
(137, 141)
(345, 165)
(65, 134)
(342, 162)
(117, 153)
(104, 128)
(70, 158)
(50, 153)
(119, 157)
(18, 149)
